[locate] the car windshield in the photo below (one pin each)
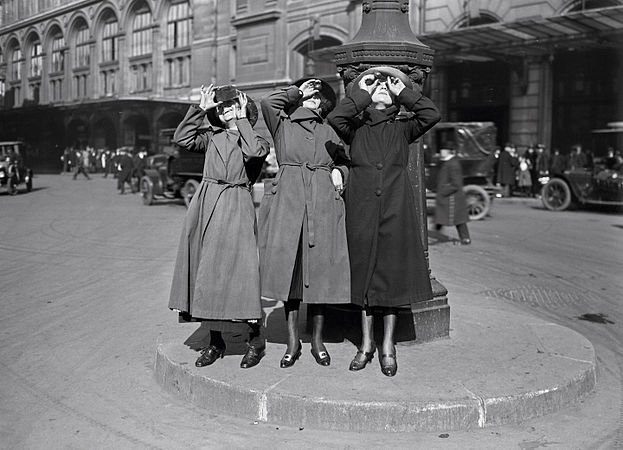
(10, 148)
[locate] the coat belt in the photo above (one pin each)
(238, 183)
(308, 171)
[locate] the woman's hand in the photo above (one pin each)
(395, 85)
(309, 88)
(241, 108)
(207, 98)
(369, 83)
(338, 180)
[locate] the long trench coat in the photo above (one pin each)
(388, 265)
(450, 200)
(217, 269)
(301, 211)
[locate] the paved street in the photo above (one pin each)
(85, 278)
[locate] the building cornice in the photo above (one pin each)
(52, 13)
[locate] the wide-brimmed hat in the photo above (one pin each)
(325, 90)
(382, 71)
(228, 93)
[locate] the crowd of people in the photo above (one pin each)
(519, 172)
(334, 226)
(126, 164)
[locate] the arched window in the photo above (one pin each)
(16, 64)
(141, 33)
(179, 25)
(82, 46)
(36, 59)
(57, 62)
(582, 5)
(109, 41)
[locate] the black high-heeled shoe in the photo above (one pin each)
(322, 357)
(391, 368)
(288, 359)
(209, 355)
(361, 359)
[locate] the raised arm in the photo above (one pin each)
(426, 113)
(275, 103)
(341, 118)
(189, 134)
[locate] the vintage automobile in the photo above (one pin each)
(474, 143)
(601, 184)
(13, 170)
(174, 174)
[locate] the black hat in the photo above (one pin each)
(325, 91)
(228, 93)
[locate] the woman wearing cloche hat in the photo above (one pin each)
(216, 278)
(302, 234)
(388, 265)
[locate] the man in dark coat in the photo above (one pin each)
(388, 265)
(126, 167)
(450, 200)
(507, 166)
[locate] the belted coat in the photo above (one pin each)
(301, 208)
(450, 200)
(216, 272)
(388, 265)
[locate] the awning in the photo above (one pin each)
(590, 29)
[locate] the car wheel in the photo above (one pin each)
(188, 191)
(556, 195)
(478, 201)
(12, 186)
(147, 191)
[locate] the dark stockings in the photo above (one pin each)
(292, 307)
(216, 339)
(367, 327)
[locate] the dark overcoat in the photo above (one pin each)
(216, 272)
(126, 167)
(302, 205)
(450, 200)
(388, 265)
(507, 166)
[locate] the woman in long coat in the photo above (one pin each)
(302, 234)
(216, 275)
(388, 265)
(450, 200)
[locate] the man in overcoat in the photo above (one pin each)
(388, 265)
(126, 168)
(450, 200)
(507, 166)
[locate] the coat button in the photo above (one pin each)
(274, 182)
(379, 166)
(274, 190)
(378, 192)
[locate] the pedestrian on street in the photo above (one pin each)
(217, 276)
(558, 164)
(524, 176)
(124, 175)
(381, 215)
(82, 163)
(577, 157)
(303, 249)
(507, 165)
(450, 200)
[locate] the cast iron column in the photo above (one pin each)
(386, 39)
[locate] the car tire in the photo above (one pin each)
(478, 201)
(147, 191)
(188, 191)
(556, 195)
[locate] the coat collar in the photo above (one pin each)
(372, 116)
(301, 114)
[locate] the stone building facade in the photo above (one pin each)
(122, 72)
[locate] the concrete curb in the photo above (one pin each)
(550, 381)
